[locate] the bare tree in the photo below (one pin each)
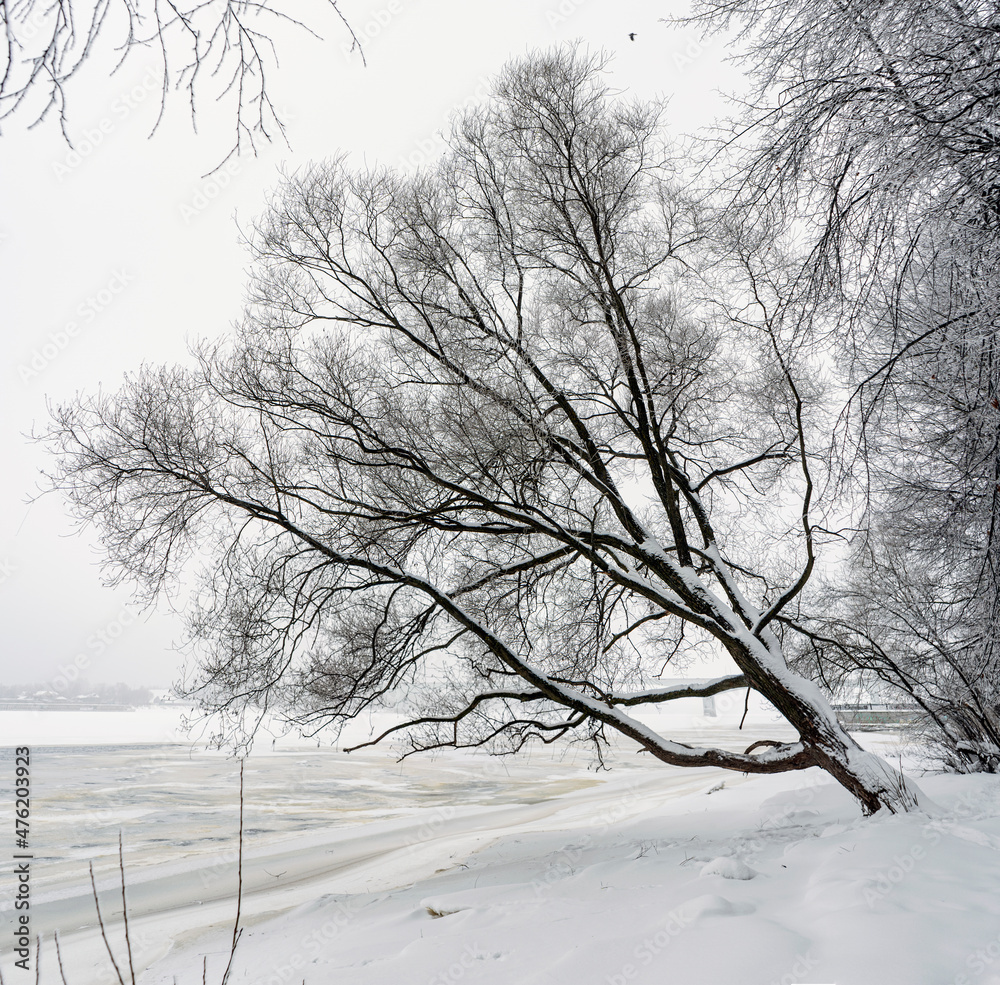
(226, 49)
(914, 633)
(931, 550)
(490, 445)
(874, 131)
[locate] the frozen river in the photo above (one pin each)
(318, 823)
(178, 806)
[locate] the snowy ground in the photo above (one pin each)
(360, 870)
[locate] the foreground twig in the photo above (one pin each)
(62, 973)
(128, 940)
(237, 932)
(100, 920)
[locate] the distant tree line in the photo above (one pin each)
(76, 691)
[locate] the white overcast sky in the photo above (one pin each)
(119, 243)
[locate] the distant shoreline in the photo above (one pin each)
(83, 706)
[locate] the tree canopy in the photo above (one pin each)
(495, 442)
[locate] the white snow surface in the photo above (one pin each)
(462, 868)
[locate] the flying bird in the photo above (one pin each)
(631, 36)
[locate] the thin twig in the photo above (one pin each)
(239, 886)
(746, 708)
(128, 940)
(100, 920)
(62, 974)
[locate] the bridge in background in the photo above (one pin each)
(874, 715)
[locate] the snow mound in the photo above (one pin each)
(712, 905)
(728, 868)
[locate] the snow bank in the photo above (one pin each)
(655, 890)
(473, 870)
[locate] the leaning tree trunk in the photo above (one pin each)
(870, 779)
